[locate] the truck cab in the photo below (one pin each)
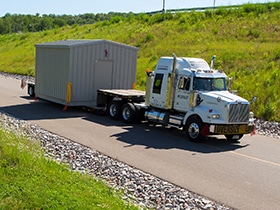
(188, 93)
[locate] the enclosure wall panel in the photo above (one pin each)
(51, 73)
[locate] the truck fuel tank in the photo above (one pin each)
(157, 117)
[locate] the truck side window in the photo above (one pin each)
(184, 83)
(187, 83)
(181, 83)
(157, 83)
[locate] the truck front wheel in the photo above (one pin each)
(115, 110)
(128, 113)
(193, 129)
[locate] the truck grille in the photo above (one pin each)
(239, 112)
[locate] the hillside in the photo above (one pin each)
(246, 41)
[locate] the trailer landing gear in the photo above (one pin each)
(31, 90)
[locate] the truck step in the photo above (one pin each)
(174, 125)
(175, 120)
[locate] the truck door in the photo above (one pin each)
(182, 94)
(158, 91)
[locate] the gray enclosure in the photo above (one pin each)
(71, 71)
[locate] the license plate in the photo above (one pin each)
(231, 129)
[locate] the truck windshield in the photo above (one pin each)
(209, 84)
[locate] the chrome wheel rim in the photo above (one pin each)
(113, 110)
(193, 130)
(126, 113)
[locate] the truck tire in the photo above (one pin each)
(114, 110)
(128, 113)
(234, 138)
(31, 90)
(193, 129)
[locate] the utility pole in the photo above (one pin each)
(163, 8)
(214, 4)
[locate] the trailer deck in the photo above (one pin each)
(123, 93)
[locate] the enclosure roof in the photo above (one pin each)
(76, 43)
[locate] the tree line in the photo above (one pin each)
(17, 23)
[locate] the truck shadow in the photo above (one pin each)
(173, 138)
(157, 137)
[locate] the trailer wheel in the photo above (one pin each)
(115, 110)
(234, 138)
(193, 129)
(30, 90)
(128, 113)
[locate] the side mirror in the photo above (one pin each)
(254, 99)
(230, 83)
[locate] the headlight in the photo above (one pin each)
(251, 115)
(215, 116)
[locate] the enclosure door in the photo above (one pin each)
(103, 75)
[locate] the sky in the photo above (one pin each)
(76, 7)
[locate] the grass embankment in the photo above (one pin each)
(246, 41)
(30, 181)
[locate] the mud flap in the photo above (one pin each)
(205, 131)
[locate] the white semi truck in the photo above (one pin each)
(185, 93)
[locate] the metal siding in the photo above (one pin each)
(121, 69)
(97, 51)
(124, 75)
(130, 70)
(51, 73)
(124, 69)
(118, 77)
(81, 74)
(127, 83)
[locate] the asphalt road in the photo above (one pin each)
(243, 176)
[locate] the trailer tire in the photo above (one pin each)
(193, 129)
(128, 113)
(31, 90)
(115, 110)
(234, 138)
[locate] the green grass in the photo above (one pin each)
(30, 181)
(246, 42)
